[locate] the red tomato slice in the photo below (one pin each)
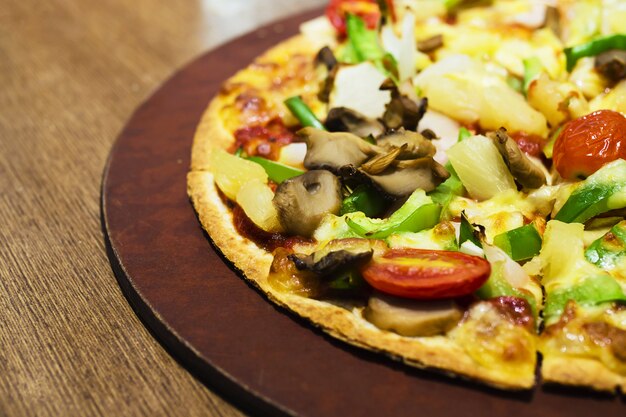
(426, 274)
(587, 143)
(367, 10)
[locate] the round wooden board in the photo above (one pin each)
(260, 357)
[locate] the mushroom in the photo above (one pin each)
(523, 169)
(332, 150)
(402, 111)
(343, 119)
(336, 256)
(430, 44)
(612, 64)
(401, 178)
(327, 67)
(302, 201)
(412, 317)
(417, 146)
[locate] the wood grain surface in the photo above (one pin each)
(71, 74)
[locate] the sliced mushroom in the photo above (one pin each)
(430, 44)
(402, 111)
(343, 119)
(523, 169)
(332, 150)
(417, 146)
(337, 255)
(412, 317)
(327, 67)
(304, 200)
(401, 178)
(612, 64)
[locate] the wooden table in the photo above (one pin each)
(71, 73)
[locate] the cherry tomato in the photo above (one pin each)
(587, 143)
(367, 10)
(426, 274)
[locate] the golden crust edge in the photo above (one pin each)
(578, 371)
(440, 353)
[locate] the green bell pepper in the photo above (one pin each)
(602, 191)
(417, 213)
(521, 243)
(498, 286)
(593, 48)
(468, 232)
(303, 113)
(532, 69)
(364, 198)
(591, 291)
(609, 251)
(276, 171)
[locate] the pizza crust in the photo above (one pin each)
(568, 370)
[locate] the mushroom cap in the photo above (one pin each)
(302, 201)
(332, 150)
(343, 119)
(417, 146)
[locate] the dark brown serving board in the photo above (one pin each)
(260, 357)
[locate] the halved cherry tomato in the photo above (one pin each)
(587, 143)
(426, 274)
(367, 10)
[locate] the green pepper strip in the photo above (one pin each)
(532, 69)
(364, 198)
(586, 203)
(463, 134)
(591, 291)
(610, 250)
(593, 48)
(497, 286)
(303, 113)
(468, 232)
(521, 243)
(363, 46)
(276, 171)
(593, 196)
(424, 217)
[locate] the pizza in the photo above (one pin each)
(440, 181)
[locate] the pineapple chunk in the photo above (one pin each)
(480, 167)
(463, 89)
(557, 101)
(232, 172)
(255, 198)
(613, 100)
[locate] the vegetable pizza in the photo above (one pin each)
(440, 181)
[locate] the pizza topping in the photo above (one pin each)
(285, 277)
(517, 310)
(603, 334)
(480, 167)
(593, 48)
(416, 214)
(415, 144)
(426, 274)
(412, 317)
(601, 192)
(402, 177)
(302, 201)
(343, 119)
(334, 257)
(365, 199)
(612, 64)
(263, 139)
(402, 111)
(303, 113)
(589, 142)
(333, 150)
(609, 251)
(525, 171)
(337, 11)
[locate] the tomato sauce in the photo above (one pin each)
(264, 139)
(266, 240)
